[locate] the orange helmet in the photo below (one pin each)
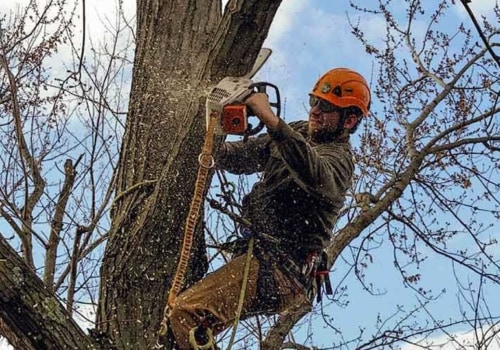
(344, 88)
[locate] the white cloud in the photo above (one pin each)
(101, 14)
(101, 21)
(85, 316)
(487, 337)
(288, 13)
(97, 11)
(478, 7)
(8, 6)
(4, 345)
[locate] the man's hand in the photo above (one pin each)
(259, 104)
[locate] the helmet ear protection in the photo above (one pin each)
(344, 88)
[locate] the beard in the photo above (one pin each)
(324, 135)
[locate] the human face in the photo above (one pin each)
(323, 118)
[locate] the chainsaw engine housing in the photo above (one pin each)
(226, 99)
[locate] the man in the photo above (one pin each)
(306, 171)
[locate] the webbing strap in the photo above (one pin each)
(241, 300)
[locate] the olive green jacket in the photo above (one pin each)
(302, 187)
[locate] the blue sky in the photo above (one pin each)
(308, 38)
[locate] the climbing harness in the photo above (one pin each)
(322, 277)
(312, 276)
(315, 270)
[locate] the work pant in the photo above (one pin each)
(214, 299)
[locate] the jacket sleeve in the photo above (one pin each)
(244, 157)
(324, 170)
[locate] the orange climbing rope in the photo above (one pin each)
(206, 161)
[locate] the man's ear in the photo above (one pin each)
(351, 121)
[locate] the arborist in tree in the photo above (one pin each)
(306, 171)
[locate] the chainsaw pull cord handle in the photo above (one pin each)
(206, 162)
(262, 88)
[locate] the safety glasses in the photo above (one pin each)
(324, 106)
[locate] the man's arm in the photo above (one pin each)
(259, 104)
(325, 169)
(250, 156)
(244, 157)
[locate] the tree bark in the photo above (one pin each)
(30, 314)
(182, 48)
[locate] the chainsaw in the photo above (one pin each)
(226, 100)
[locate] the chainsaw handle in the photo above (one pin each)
(262, 87)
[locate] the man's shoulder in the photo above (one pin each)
(336, 150)
(299, 126)
(344, 145)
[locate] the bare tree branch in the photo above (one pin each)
(32, 169)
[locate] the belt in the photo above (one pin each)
(312, 275)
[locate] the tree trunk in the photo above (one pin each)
(31, 316)
(182, 48)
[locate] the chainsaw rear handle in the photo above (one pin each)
(262, 87)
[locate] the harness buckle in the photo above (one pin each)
(321, 276)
